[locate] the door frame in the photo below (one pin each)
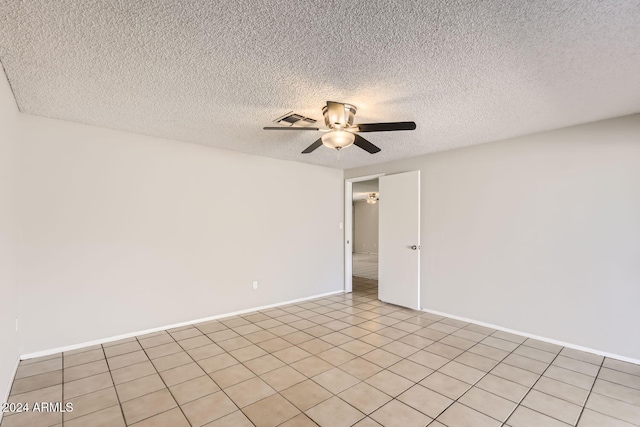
(348, 227)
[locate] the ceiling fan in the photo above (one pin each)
(341, 132)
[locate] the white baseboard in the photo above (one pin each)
(162, 328)
(537, 337)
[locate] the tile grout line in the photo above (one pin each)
(584, 406)
(383, 304)
(616, 384)
(354, 302)
(124, 367)
(259, 376)
(453, 359)
(449, 361)
(311, 355)
(285, 365)
(395, 340)
(462, 363)
(531, 388)
(406, 358)
(352, 339)
(106, 361)
(163, 382)
(503, 361)
(208, 374)
(288, 365)
(481, 378)
(315, 355)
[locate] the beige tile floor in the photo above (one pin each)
(345, 360)
(365, 266)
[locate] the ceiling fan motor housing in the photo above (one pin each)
(338, 115)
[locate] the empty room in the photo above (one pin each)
(386, 213)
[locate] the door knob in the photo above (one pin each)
(415, 247)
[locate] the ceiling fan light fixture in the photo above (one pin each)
(338, 139)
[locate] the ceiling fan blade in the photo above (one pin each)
(366, 145)
(386, 127)
(313, 146)
(287, 128)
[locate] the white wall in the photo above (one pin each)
(540, 234)
(9, 351)
(365, 222)
(123, 232)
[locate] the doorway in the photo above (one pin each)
(369, 181)
(398, 246)
(365, 196)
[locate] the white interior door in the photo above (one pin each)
(399, 239)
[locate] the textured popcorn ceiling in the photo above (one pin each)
(215, 73)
